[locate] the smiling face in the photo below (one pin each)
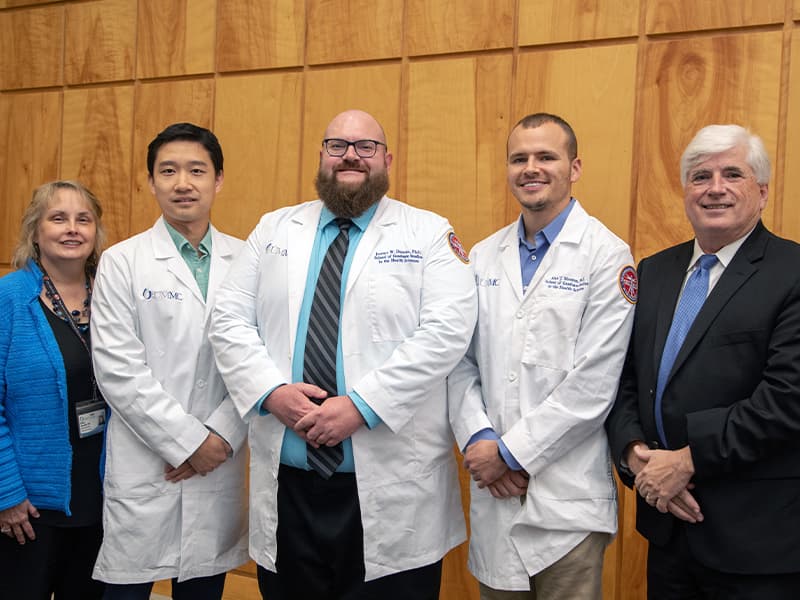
(722, 199)
(540, 171)
(67, 230)
(350, 184)
(184, 183)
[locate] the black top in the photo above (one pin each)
(86, 503)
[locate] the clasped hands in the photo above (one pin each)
(488, 469)
(212, 453)
(663, 479)
(325, 424)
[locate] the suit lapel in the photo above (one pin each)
(385, 216)
(740, 269)
(164, 249)
(671, 278)
(509, 258)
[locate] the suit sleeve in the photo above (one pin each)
(731, 438)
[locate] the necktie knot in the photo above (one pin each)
(707, 261)
(343, 225)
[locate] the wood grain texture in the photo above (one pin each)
(688, 84)
(96, 149)
(791, 175)
(258, 35)
(458, 122)
(28, 156)
(796, 13)
(551, 21)
(158, 105)
(329, 91)
(355, 30)
(17, 3)
(31, 45)
(258, 122)
(590, 88)
(665, 16)
(455, 26)
(631, 561)
(100, 41)
(175, 38)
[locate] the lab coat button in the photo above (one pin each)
(512, 376)
(201, 383)
(520, 314)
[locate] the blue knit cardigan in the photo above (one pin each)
(35, 452)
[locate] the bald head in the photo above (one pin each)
(355, 125)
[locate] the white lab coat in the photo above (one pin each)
(542, 370)
(408, 314)
(156, 370)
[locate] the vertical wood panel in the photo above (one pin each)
(791, 174)
(258, 35)
(100, 41)
(550, 21)
(688, 15)
(689, 84)
(12, 3)
(96, 149)
(590, 88)
(631, 564)
(262, 150)
(31, 43)
(458, 123)
(355, 30)
(375, 89)
(28, 156)
(176, 37)
(156, 106)
(455, 26)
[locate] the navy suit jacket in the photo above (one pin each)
(733, 396)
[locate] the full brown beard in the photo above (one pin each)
(346, 202)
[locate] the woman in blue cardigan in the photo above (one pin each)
(51, 414)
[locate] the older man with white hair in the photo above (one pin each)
(706, 423)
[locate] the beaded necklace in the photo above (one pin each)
(60, 309)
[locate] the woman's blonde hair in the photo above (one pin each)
(27, 248)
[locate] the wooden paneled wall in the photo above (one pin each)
(84, 86)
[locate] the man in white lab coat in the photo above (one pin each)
(556, 292)
(372, 513)
(174, 494)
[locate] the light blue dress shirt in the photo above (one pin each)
(198, 261)
(293, 451)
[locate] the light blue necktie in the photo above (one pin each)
(693, 297)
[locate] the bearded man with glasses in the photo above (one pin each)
(335, 332)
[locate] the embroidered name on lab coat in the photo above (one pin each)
(566, 283)
(149, 294)
(398, 256)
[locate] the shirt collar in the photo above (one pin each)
(361, 221)
(724, 255)
(182, 243)
(549, 232)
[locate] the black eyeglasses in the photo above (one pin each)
(364, 148)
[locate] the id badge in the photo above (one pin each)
(91, 417)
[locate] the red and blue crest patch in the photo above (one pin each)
(629, 284)
(457, 247)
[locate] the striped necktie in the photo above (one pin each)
(322, 340)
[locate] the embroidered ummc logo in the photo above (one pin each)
(149, 294)
(273, 249)
(487, 281)
(629, 284)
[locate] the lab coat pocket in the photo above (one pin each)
(552, 331)
(392, 306)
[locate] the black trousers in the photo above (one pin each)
(321, 546)
(674, 574)
(199, 588)
(59, 562)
